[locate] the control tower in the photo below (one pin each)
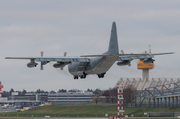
(145, 69)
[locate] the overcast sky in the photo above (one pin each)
(82, 27)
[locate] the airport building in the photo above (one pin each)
(20, 101)
(42, 97)
(70, 98)
(36, 99)
(18, 104)
(156, 92)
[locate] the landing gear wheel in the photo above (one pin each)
(76, 77)
(83, 76)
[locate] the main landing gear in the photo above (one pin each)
(84, 76)
(81, 76)
(76, 77)
(101, 75)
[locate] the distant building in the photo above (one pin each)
(27, 100)
(42, 97)
(70, 98)
(35, 99)
(18, 104)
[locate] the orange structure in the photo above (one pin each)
(1, 86)
(145, 69)
(141, 65)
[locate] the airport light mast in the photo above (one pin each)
(1, 86)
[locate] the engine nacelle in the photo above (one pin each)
(32, 64)
(59, 65)
(149, 60)
(122, 63)
(44, 62)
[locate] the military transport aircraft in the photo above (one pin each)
(93, 64)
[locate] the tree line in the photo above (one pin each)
(23, 92)
(110, 95)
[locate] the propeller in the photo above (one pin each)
(42, 68)
(65, 53)
(122, 51)
(149, 48)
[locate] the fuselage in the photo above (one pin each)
(97, 65)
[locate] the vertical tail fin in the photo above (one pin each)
(113, 43)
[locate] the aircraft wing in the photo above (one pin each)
(85, 58)
(123, 57)
(53, 59)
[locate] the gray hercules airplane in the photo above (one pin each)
(93, 64)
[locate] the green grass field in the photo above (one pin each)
(93, 118)
(85, 111)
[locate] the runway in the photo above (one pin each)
(45, 118)
(83, 118)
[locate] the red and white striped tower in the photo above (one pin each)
(122, 101)
(120, 97)
(118, 101)
(1, 86)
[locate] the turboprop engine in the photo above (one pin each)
(32, 64)
(149, 60)
(122, 63)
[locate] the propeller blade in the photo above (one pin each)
(149, 48)
(42, 67)
(122, 51)
(42, 53)
(65, 53)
